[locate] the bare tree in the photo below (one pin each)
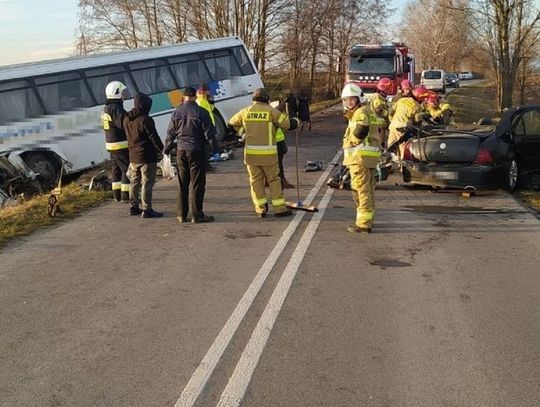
(507, 29)
(438, 35)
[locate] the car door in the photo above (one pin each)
(526, 131)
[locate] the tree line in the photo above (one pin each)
(299, 37)
(500, 37)
(306, 40)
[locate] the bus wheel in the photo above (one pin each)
(221, 129)
(46, 165)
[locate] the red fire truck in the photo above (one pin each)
(370, 62)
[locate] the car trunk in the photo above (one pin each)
(452, 148)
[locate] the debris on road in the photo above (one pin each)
(312, 166)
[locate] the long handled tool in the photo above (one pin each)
(298, 205)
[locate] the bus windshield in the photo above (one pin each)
(372, 64)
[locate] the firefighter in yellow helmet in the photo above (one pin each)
(260, 122)
(407, 112)
(362, 150)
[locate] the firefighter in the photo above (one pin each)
(362, 150)
(260, 122)
(408, 112)
(405, 90)
(437, 112)
(379, 105)
(116, 140)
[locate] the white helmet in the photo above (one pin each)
(350, 90)
(114, 90)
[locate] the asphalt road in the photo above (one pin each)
(440, 306)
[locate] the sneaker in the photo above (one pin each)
(150, 213)
(135, 211)
(203, 219)
(288, 212)
(356, 229)
(182, 219)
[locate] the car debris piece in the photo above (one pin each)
(312, 166)
(17, 181)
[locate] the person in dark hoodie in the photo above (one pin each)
(145, 150)
(190, 128)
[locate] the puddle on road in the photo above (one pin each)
(387, 263)
(469, 210)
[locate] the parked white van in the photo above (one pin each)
(433, 79)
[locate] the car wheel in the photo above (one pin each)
(511, 176)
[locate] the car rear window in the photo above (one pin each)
(432, 75)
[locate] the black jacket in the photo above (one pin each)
(113, 114)
(145, 146)
(190, 127)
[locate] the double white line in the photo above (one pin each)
(239, 381)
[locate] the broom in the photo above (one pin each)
(298, 205)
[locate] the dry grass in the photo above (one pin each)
(26, 218)
(317, 107)
(530, 198)
(470, 103)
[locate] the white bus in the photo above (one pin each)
(50, 111)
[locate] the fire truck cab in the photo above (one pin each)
(370, 62)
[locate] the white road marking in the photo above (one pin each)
(203, 372)
(236, 388)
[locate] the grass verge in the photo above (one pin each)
(471, 103)
(31, 215)
(530, 198)
(317, 107)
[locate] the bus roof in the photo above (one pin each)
(92, 61)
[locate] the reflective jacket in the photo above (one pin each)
(280, 135)
(260, 122)
(115, 136)
(203, 102)
(407, 112)
(441, 114)
(365, 152)
(379, 106)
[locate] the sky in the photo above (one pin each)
(33, 30)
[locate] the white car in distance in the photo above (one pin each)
(465, 75)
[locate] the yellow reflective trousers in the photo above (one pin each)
(257, 175)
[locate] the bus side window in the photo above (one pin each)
(189, 70)
(152, 76)
(98, 79)
(63, 92)
(222, 65)
(17, 102)
(243, 60)
(180, 72)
